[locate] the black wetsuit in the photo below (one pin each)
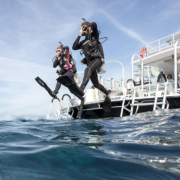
(93, 59)
(70, 72)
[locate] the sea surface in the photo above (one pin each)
(143, 147)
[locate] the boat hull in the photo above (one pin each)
(95, 110)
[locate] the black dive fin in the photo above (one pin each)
(70, 83)
(79, 114)
(107, 104)
(44, 85)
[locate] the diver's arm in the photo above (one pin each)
(56, 63)
(95, 30)
(77, 45)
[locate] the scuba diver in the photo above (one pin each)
(94, 57)
(66, 63)
(66, 72)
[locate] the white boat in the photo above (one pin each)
(134, 97)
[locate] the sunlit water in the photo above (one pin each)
(144, 146)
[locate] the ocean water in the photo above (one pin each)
(143, 146)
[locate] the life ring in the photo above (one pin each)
(142, 50)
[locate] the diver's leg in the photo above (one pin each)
(85, 81)
(68, 81)
(77, 95)
(74, 89)
(107, 101)
(80, 111)
(69, 73)
(44, 85)
(58, 86)
(91, 67)
(96, 84)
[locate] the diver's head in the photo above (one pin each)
(86, 27)
(59, 50)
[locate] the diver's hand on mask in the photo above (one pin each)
(57, 54)
(81, 31)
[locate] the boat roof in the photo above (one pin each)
(157, 57)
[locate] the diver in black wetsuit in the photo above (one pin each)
(68, 68)
(67, 71)
(94, 55)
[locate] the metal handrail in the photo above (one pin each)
(132, 75)
(164, 38)
(159, 44)
(157, 47)
(164, 96)
(122, 68)
(119, 82)
(175, 67)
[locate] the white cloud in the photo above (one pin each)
(122, 28)
(21, 91)
(169, 9)
(38, 25)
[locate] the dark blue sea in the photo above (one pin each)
(143, 147)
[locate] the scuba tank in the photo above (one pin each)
(76, 78)
(102, 68)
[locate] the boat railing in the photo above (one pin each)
(164, 96)
(175, 45)
(119, 62)
(114, 83)
(158, 49)
(62, 110)
(163, 43)
(162, 101)
(132, 68)
(175, 67)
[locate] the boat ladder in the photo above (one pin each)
(63, 110)
(123, 107)
(161, 101)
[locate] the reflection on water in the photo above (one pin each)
(143, 146)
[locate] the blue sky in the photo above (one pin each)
(30, 32)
